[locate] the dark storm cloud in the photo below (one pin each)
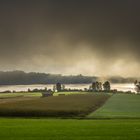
(68, 36)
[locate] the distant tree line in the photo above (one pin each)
(20, 77)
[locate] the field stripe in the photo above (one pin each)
(119, 106)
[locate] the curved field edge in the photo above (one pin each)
(57, 106)
(119, 106)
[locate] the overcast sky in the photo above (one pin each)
(89, 37)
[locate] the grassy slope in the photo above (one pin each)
(43, 129)
(119, 106)
(58, 106)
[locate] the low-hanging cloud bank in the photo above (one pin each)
(71, 37)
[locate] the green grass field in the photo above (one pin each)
(61, 129)
(119, 106)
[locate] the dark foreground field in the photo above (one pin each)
(43, 129)
(78, 105)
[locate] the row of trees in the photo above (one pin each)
(96, 86)
(99, 86)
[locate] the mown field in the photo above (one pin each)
(119, 106)
(61, 129)
(76, 105)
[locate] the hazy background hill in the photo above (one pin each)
(21, 77)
